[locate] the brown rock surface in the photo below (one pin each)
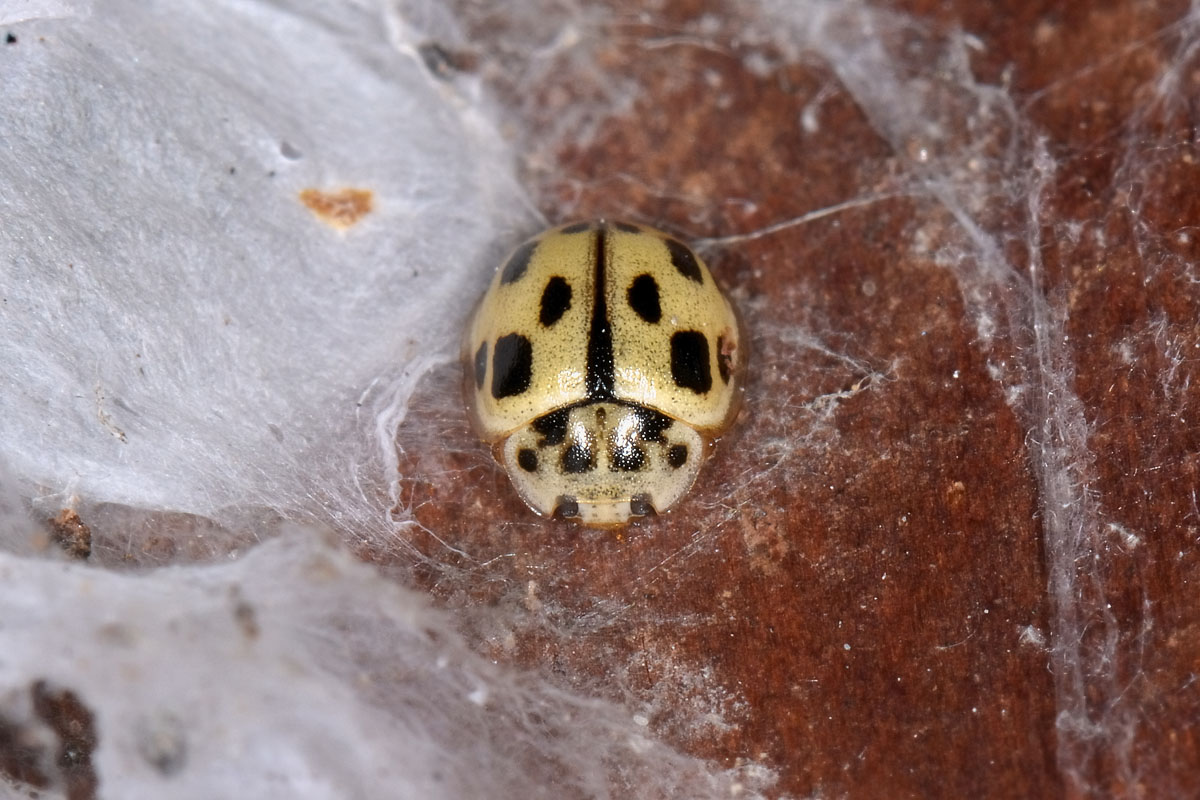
(950, 549)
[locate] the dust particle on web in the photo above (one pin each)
(71, 534)
(444, 63)
(74, 725)
(340, 208)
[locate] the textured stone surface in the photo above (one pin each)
(950, 549)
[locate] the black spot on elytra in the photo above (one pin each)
(628, 457)
(527, 459)
(640, 506)
(480, 365)
(677, 455)
(689, 361)
(651, 424)
(643, 298)
(578, 458)
(567, 506)
(577, 227)
(518, 262)
(556, 299)
(552, 427)
(626, 227)
(684, 260)
(512, 365)
(724, 359)
(10, 38)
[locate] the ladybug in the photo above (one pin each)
(601, 365)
